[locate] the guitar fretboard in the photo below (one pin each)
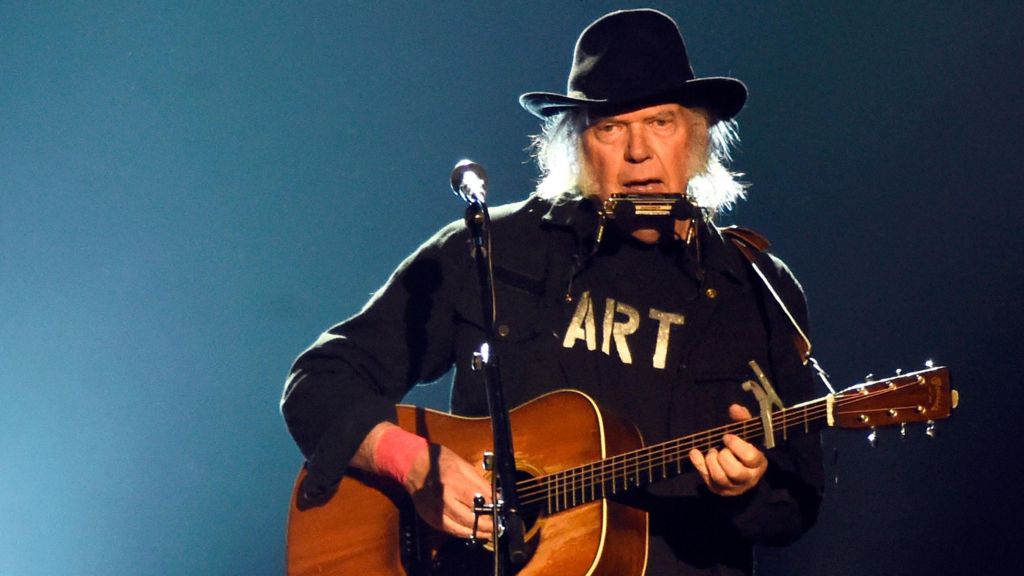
(582, 484)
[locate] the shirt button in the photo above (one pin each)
(711, 293)
(503, 330)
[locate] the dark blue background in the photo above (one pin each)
(189, 194)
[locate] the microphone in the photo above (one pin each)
(469, 181)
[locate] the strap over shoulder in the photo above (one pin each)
(746, 239)
(747, 236)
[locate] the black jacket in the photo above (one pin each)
(550, 275)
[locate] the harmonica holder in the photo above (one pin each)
(627, 206)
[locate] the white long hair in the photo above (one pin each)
(712, 186)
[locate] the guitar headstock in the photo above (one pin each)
(915, 397)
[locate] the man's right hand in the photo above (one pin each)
(441, 483)
(442, 486)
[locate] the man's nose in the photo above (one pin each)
(637, 149)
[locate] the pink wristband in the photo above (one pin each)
(396, 451)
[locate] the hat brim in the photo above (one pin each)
(722, 96)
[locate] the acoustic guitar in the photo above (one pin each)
(571, 455)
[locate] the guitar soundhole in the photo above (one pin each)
(458, 557)
(529, 514)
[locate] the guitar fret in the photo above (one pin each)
(560, 491)
(592, 486)
(550, 501)
(614, 475)
(608, 477)
(573, 489)
(568, 487)
(571, 498)
(560, 501)
(554, 492)
(565, 491)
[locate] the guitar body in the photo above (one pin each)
(365, 528)
(572, 453)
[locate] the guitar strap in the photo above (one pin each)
(747, 241)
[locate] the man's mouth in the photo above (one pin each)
(647, 186)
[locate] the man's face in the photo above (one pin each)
(646, 151)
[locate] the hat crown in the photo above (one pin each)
(629, 53)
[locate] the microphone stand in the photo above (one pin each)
(508, 534)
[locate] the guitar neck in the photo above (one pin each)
(914, 397)
(575, 486)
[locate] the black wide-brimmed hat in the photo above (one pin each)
(635, 58)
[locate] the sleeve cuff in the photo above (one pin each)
(326, 466)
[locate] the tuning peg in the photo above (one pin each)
(899, 371)
(929, 364)
(903, 430)
(873, 438)
(930, 430)
(870, 376)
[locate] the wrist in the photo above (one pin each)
(396, 452)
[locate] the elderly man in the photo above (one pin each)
(655, 318)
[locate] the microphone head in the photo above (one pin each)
(469, 181)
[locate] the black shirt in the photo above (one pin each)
(568, 313)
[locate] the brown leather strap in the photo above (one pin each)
(748, 236)
(745, 240)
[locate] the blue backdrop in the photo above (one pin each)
(190, 192)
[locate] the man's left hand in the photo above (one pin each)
(735, 468)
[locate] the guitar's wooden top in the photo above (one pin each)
(573, 455)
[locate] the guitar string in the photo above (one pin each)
(568, 483)
(786, 418)
(574, 482)
(623, 468)
(559, 487)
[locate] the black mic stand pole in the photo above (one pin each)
(508, 535)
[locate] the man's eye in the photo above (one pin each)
(606, 132)
(662, 125)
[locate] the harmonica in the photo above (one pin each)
(633, 205)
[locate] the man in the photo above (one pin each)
(656, 319)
